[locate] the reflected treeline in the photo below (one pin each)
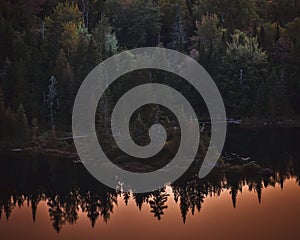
(68, 189)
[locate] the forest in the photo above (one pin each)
(251, 48)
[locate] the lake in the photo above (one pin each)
(43, 197)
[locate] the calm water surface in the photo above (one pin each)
(50, 198)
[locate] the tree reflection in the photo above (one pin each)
(158, 203)
(190, 195)
(140, 199)
(56, 212)
(67, 195)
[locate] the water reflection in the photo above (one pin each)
(67, 197)
(68, 190)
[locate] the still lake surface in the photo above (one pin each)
(42, 197)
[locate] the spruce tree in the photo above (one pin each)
(22, 125)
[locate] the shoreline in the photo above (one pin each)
(276, 123)
(66, 148)
(223, 166)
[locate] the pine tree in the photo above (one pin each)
(272, 96)
(103, 118)
(53, 102)
(22, 125)
(65, 82)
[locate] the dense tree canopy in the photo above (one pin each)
(250, 47)
(232, 14)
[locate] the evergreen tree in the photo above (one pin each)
(22, 125)
(65, 82)
(268, 35)
(233, 14)
(7, 122)
(64, 18)
(241, 73)
(35, 128)
(111, 44)
(103, 118)
(284, 11)
(15, 84)
(178, 34)
(105, 40)
(293, 67)
(138, 24)
(209, 43)
(53, 102)
(68, 39)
